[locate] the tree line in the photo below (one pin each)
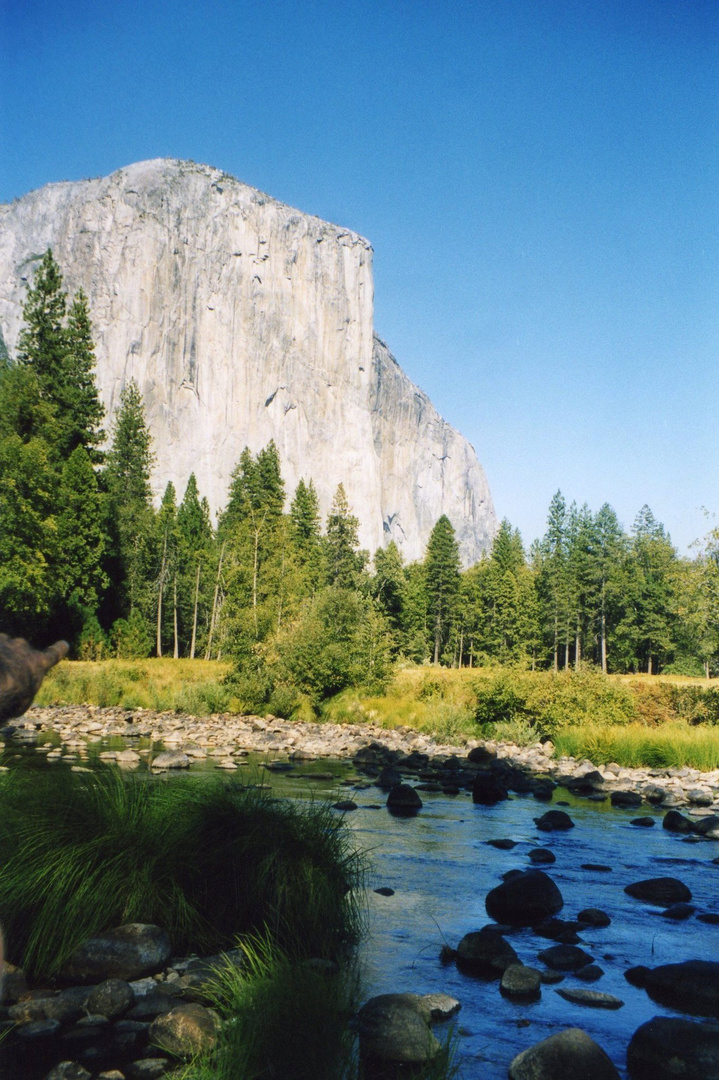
(293, 600)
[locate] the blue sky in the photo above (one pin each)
(538, 178)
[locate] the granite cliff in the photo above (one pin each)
(243, 320)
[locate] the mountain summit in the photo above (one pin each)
(243, 320)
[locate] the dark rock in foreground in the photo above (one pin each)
(666, 1048)
(520, 983)
(394, 1029)
(525, 900)
(569, 1055)
(565, 957)
(487, 790)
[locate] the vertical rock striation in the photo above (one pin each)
(243, 320)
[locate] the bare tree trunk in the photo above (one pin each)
(176, 651)
(158, 634)
(471, 652)
(194, 613)
(436, 639)
(213, 616)
(577, 649)
(649, 665)
(706, 670)
(461, 646)
(604, 643)
(556, 644)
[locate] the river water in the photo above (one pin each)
(440, 868)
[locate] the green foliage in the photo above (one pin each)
(551, 702)
(672, 745)
(345, 561)
(131, 637)
(82, 853)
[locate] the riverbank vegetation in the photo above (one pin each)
(84, 852)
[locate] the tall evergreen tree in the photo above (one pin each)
(43, 340)
(82, 534)
(82, 407)
(195, 555)
(306, 535)
(345, 560)
(442, 575)
(127, 477)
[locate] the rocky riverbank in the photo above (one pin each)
(226, 738)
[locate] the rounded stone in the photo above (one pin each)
(662, 891)
(524, 900)
(593, 998)
(565, 957)
(403, 801)
(485, 953)
(127, 953)
(594, 917)
(690, 987)
(394, 1028)
(111, 998)
(553, 821)
(184, 1031)
(569, 1055)
(541, 856)
(521, 983)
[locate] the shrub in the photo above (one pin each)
(82, 853)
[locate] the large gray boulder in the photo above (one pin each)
(185, 1031)
(668, 1047)
(569, 1055)
(394, 1030)
(526, 899)
(127, 953)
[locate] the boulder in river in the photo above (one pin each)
(520, 983)
(485, 953)
(662, 891)
(542, 855)
(690, 987)
(554, 820)
(668, 1047)
(626, 800)
(595, 999)
(171, 759)
(565, 957)
(569, 1055)
(403, 801)
(487, 790)
(525, 900)
(129, 952)
(394, 1030)
(676, 822)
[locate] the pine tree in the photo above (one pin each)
(82, 533)
(82, 407)
(127, 479)
(389, 584)
(442, 575)
(345, 560)
(306, 537)
(43, 340)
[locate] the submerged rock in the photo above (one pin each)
(595, 999)
(662, 891)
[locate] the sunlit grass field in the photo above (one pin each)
(633, 720)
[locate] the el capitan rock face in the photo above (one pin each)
(243, 320)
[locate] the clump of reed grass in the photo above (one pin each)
(81, 853)
(669, 745)
(285, 1018)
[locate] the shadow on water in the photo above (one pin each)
(440, 868)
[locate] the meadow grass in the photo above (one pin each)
(668, 745)
(163, 685)
(82, 853)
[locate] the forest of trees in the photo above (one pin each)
(85, 554)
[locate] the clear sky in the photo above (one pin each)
(539, 179)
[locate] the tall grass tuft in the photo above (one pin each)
(286, 1018)
(82, 853)
(669, 745)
